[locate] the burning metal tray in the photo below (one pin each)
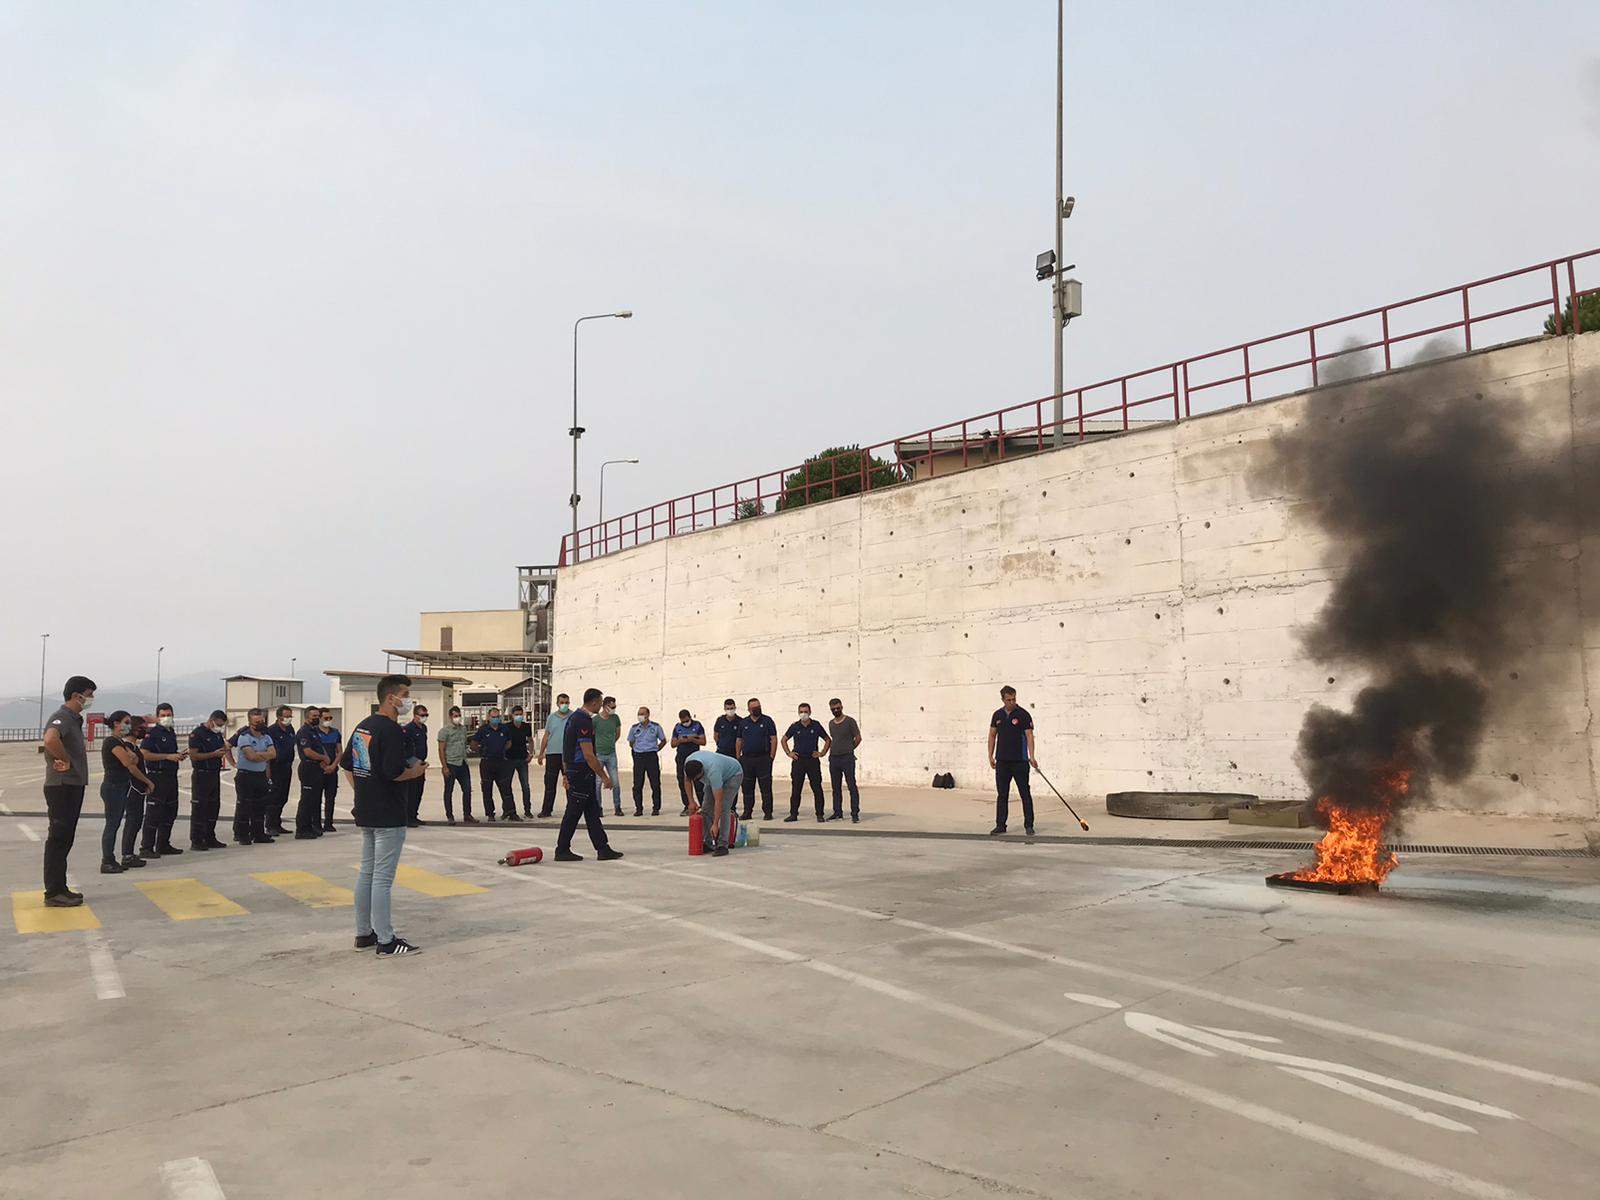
(1287, 880)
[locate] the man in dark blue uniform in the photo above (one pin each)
(805, 742)
(208, 751)
(161, 759)
(280, 772)
(307, 814)
(583, 772)
(756, 744)
(517, 754)
(1011, 753)
(490, 740)
(332, 745)
(726, 731)
(415, 732)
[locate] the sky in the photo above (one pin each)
(287, 289)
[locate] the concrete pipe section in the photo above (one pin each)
(1176, 806)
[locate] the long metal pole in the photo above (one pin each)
(575, 435)
(159, 651)
(44, 644)
(1055, 291)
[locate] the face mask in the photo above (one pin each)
(728, 712)
(421, 716)
(805, 718)
(404, 707)
(166, 722)
(518, 720)
(643, 717)
(124, 729)
(564, 709)
(87, 700)
(455, 720)
(495, 721)
(755, 711)
(257, 726)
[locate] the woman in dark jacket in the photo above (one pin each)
(122, 791)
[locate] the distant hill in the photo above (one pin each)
(191, 696)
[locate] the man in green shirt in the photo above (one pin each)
(607, 729)
(453, 762)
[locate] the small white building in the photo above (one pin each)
(355, 695)
(244, 692)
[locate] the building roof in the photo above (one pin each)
(380, 674)
(261, 679)
(1026, 439)
(470, 658)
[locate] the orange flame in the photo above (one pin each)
(1352, 849)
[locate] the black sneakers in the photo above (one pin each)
(169, 848)
(1028, 829)
(567, 856)
(111, 867)
(720, 852)
(838, 816)
(64, 900)
(366, 941)
(608, 855)
(997, 831)
(131, 860)
(397, 947)
(790, 819)
(855, 818)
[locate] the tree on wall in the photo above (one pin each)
(1588, 311)
(834, 472)
(746, 509)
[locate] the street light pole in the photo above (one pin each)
(159, 651)
(44, 644)
(292, 662)
(608, 462)
(1055, 289)
(577, 430)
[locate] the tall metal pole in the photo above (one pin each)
(577, 430)
(610, 462)
(159, 651)
(1055, 289)
(44, 644)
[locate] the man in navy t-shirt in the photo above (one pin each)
(583, 771)
(1011, 753)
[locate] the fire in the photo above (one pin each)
(1352, 849)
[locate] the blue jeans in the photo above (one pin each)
(125, 810)
(609, 761)
(380, 855)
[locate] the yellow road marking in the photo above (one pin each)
(31, 916)
(309, 889)
(189, 899)
(415, 879)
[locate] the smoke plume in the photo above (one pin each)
(1437, 508)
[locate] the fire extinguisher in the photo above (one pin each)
(733, 830)
(516, 858)
(697, 833)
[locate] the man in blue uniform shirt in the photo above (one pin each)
(645, 739)
(517, 754)
(491, 740)
(688, 735)
(307, 814)
(416, 737)
(280, 771)
(726, 731)
(757, 743)
(805, 742)
(253, 752)
(584, 772)
(1011, 753)
(332, 746)
(161, 759)
(208, 751)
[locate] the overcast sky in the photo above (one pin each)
(286, 289)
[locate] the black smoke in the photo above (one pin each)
(1440, 509)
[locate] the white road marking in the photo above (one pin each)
(1393, 1160)
(103, 966)
(1325, 1024)
(190, 1179)
(5, 808)
(1174, 1033)
(1097, 1001)
(27, 832)
(1382, 1101)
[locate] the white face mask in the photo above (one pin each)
(404, 707)
(124, 729)
(166, 722)
(455, 720)
(87, 700)
(643, 717)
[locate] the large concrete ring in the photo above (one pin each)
(1175, 806)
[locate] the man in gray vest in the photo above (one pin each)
(66, 775)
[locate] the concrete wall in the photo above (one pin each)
(1142, 593)
(480, 629)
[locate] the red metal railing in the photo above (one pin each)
(1469, 316)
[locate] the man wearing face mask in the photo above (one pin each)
(281, 770)
(645, 739)
(805, 742)
(66, 774)
(453, 767)
(726, 735)
(307, 814)
(517, 754)
(490, 741)
(583, 775)
(252, 789)
(550, 756)
(416, 735)
(845, 735)
(758, 742)
(332, 742)
(161, 756)
(688, 735)
(208, 750)
(607, 729)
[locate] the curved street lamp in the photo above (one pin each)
(577, 430)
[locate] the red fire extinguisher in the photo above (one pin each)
(516, 858)
(733, 830)
(697, 833)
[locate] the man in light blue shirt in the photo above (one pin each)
(551, 742)
(253, 749)
(645, 739)
(722, 778)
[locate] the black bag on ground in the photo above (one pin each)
(946, 780)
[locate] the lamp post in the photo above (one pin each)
(292, 662)
(44, 644)
(159, 651)
(608, 462)
(1060, 217)
(577, 430)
